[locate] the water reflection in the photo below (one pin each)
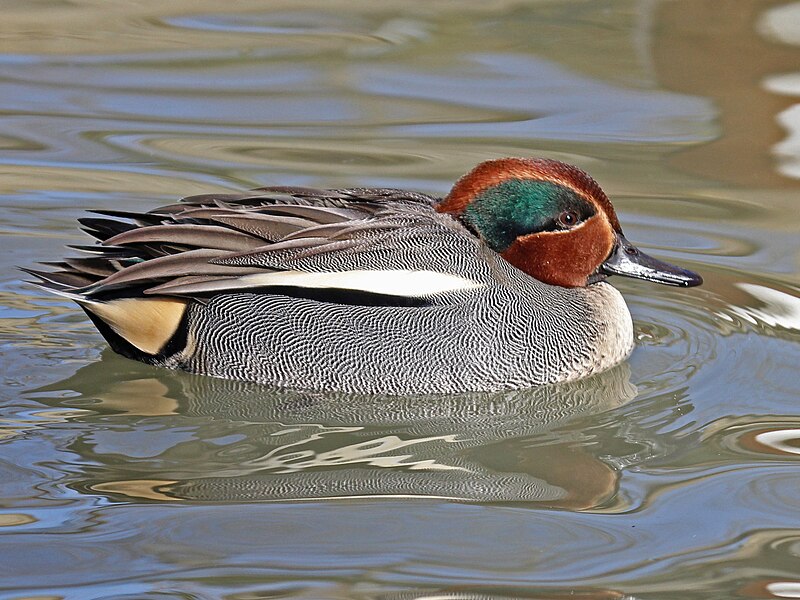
(487, 592)
(204, 439)
(765, 438)
(687, 61)
(783, 589)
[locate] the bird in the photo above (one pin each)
(499, 285)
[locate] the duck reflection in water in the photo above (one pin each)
(224, 440)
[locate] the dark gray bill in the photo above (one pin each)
(626, 259)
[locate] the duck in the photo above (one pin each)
(499, 285)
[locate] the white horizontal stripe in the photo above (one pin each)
(412, 284)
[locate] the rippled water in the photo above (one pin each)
(674, 475)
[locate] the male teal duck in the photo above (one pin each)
(499, 285)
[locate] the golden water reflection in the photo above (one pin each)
(692, 35)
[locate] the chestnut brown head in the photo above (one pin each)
(552, 221)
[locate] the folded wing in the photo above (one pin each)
(369, 241)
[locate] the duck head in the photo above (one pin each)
(554, 222)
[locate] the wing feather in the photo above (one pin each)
(199, 236)
(192, 262)
(365, 239)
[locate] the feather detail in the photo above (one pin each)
(107, 252)
(192, 262)
(328, 230)
(319, 214)
(281, 254)
(141, 219)
(405, 283)
(58, 280)
(364, 240)
(268, 227)
(102, 229)
(146, 323)
(236, 259)
(248, 221)
(200, 236)
(99, 267)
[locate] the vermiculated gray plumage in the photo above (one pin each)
(506, 331)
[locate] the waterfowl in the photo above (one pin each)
(498, 285)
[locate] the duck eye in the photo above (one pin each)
(568, 219)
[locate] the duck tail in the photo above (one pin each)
(138, 327)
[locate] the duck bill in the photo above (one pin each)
(626, 259)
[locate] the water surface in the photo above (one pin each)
(674, 475)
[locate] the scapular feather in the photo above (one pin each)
(200, 236)
(192, 262)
